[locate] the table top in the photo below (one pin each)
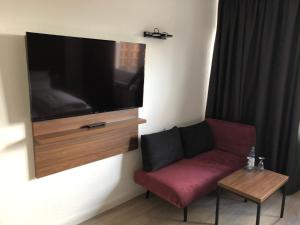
(255, 185)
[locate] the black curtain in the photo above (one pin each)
(255, 77)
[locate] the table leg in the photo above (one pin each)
(217, 206)
(283, 202)
(147, 194)
(258, 214)
(185, 213)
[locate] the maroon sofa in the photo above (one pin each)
(188, 179)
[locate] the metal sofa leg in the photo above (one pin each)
(147, 194)
(185, 213)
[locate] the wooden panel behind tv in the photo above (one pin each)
(60, 144)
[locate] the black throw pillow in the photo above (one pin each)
(161, 149)
(196, 139)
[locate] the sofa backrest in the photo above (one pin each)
(235, 138)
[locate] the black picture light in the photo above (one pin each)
(157, 34)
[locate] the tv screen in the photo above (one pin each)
(71, 76)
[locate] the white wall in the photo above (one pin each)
(176, 80)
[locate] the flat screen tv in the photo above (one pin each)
(71, 76)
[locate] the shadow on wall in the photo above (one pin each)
(197, 62)
(124, 187)
(100, 186)
(15, 95)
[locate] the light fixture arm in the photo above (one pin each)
(157, 34)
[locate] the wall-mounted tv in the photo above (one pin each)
(71, 76)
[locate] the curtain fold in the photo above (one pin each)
(255, 77)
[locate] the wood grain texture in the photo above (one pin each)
(79, 133)
(255, 185)
(71, 123)
(61, 144)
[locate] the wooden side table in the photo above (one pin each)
(256, 186)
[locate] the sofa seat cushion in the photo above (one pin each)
(183, 181)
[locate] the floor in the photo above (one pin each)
(233, 211)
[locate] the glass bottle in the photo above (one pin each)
(251, 159)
